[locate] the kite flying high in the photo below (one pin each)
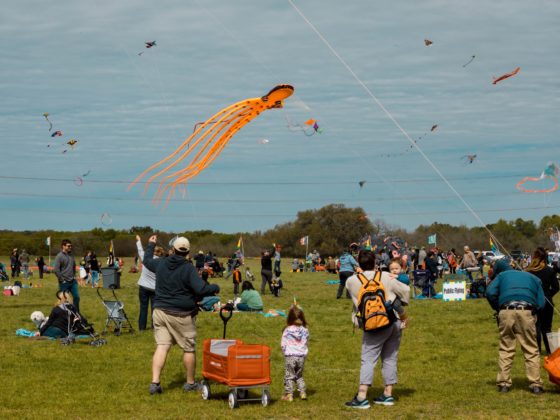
(209, 139)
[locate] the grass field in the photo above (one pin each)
(447, 363)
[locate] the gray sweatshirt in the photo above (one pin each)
(64, 267)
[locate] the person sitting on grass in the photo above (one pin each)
(62, 318)
(250, 299)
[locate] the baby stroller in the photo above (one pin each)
(115, 314)
(241, 367)
(79, 326)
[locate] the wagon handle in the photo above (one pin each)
(225, 318)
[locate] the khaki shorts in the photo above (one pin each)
(169, 330)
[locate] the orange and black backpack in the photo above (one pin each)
(372, 312)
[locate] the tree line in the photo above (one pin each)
(330, 230)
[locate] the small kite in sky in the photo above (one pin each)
(427, 42)
(311, 123)
(264, 141)
(208, 142)
(149, 45)
(434, 127)
(506, 76)
(469, 159)
(87, 173)
(469, 62)
(57, 133)
(46, 115)
(361, 183)
(550, 172)
(71, 143)
(78, 181)
(106, 219)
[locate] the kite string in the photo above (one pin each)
(402, 130)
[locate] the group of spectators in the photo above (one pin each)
(19, 264)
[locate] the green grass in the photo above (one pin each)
(447, 362)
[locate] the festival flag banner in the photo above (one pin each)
(493, 246)
(304, 240)
(240, 242)
(48, 241)
(432, 239)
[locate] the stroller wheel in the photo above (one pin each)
(232, 400)
(265, 399)
(205, 390)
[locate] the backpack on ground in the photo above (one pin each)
(373, 313)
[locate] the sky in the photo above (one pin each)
(368, 79)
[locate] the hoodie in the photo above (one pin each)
(178, 286)
(510, 285)
(294, 341)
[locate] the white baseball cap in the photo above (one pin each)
(182, 244)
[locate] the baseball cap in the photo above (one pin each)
(182, 244)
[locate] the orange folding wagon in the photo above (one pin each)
(242, 367)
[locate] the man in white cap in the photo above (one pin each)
(178, 288)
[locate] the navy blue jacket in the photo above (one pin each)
(178, 286)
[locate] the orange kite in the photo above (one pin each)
(208, 140)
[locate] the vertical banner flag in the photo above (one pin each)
(48, 241)
(432, 240)
(239, 242)
(493, 246)
(304, 240)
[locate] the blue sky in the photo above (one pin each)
(79, 62)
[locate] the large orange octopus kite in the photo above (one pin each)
(208, 140)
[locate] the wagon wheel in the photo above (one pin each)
(232, 400)
(205, 391)
(265, 399)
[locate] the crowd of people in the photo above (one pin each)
(173, 288)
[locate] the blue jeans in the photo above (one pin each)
(72, 286)
(94, 278)
(146, 297)
(54, 332)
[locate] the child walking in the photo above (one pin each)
(294, 348)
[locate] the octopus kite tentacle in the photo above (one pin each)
(197, 164)
(208, 141)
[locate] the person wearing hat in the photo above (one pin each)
(199, 261)
(178, 288)
(517, 296)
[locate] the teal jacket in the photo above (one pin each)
(510, 285)
(252, 299)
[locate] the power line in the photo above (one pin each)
(254, 200)
(240, 183)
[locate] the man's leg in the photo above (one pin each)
(158, 361)
(189, 360)
(527, 337)
(75, 295)
(507, 347)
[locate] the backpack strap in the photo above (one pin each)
(364, 280)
